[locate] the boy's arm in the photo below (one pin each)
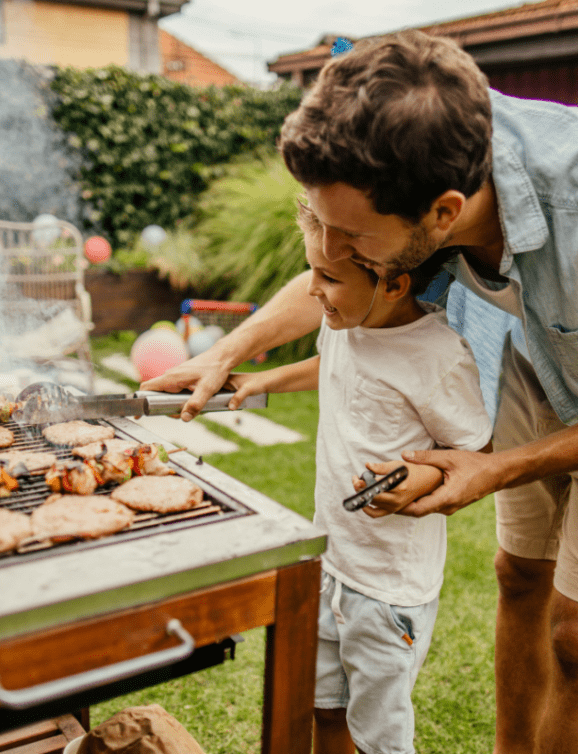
(303, 375)
(290, 314)
(421, 480)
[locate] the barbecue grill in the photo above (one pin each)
(80, 615)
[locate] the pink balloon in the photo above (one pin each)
(97, 249)
(155, 351)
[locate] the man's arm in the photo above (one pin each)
(420, 480)
(471, 476)
(290, 314)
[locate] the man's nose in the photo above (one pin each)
(335, 246)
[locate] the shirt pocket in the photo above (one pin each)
(376, 411)
(565, 345)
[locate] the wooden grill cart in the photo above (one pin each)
(88, 621)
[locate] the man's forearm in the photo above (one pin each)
(289, 315)
(555, 454)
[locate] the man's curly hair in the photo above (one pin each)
(405, 118)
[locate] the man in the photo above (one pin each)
(403, 150)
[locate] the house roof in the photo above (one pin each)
(181, 62)
(157, 8)
(531, 20)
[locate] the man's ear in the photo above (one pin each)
(397, 288)
(445, 210)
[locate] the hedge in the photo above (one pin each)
(150, 146)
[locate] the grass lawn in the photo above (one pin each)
(454, 694)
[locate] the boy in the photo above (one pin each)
(391, 374)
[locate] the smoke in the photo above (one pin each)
(35, 169)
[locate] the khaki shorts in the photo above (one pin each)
(537, 520)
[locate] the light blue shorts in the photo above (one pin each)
(369, 654)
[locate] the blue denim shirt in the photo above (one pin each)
(535, 172)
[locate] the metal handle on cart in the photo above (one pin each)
(52, 690)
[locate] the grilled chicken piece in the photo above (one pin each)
(114, 466)
(146, 461)
(7, 407)
(8, 483)
(77, 477)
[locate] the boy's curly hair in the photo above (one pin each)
(405, 117)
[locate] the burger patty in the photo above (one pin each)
(63, 517)
(14, 527)
(76, 432)
(163, 494)
(94, 449)
(36, 463)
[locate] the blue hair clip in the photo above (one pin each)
(341, 45)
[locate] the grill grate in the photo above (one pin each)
(33, 491)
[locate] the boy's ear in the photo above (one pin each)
(397, 288)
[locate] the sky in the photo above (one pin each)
(243, 35)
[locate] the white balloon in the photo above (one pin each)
(46, 229)
(153, 235)
(195, 324)
(216, 331)
(199, 342)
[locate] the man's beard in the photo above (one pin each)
(419, 248)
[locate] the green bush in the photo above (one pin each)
(149, 146)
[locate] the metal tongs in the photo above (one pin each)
(365, 496)
(46, 402)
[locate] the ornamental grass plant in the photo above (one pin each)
(244, 243)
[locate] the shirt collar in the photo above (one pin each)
(523, 222)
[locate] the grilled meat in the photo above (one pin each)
(6, 437)
(34, 463)
(76, 432)
(7, 407)
(95, 449)
(160, 494)
(71, 516)
(14, 527)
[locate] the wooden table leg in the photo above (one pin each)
(290, 661)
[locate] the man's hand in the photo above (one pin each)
(467, 477)
(419, 481)
(205, 375)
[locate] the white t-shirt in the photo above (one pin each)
(381, 391)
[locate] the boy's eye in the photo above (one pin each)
(330, 279)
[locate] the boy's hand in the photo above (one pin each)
(421, 480)
(245, 384)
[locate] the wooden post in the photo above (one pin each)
(290, 661)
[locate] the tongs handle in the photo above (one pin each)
(171, 403)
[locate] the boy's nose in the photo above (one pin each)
(335, 246)
(313, 287)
